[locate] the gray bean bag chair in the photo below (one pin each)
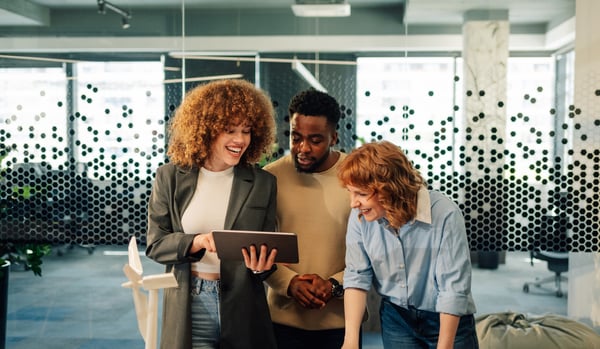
(518, 331)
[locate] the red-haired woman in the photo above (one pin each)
(410, 243)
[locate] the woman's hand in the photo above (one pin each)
(263, 262)
(203, 241)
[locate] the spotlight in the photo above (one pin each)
(125, 15)
(101, 7)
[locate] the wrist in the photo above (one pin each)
(337, 290)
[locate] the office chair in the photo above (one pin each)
(558, 261)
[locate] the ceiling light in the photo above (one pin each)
(205, 78)
(305, 74)
(321, 10)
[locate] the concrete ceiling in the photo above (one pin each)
(432, 12)
(371, 21)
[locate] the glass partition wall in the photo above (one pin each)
(103, 123)
(83, 132)
(99, 119)
(88, 136)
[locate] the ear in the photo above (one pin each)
(334, 138)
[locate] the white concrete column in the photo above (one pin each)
(584, 268)
(485, 57)
(485, 60)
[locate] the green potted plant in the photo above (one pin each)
(27, 254)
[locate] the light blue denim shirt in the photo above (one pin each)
(426, 264)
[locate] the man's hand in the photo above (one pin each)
(310, 290)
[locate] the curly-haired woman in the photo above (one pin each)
(218, 134)
(411, 244)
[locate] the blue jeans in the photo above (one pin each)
(206, 323)
(413, 328)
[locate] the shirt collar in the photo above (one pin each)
(423, 206)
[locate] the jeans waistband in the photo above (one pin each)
(203, 285)
(414, 313)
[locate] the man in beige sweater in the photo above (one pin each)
(305, 299)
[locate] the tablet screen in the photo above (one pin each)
(229, 244)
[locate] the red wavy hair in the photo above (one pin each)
(384, 169)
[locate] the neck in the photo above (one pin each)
(331, 159)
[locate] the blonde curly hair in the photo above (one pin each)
(384, 169)
(209, 110)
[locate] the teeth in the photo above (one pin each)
(235, 150)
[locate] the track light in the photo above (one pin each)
(101, 7)
(125, 15)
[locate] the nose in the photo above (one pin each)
(354, 203)
(238, 137)
(304, 147)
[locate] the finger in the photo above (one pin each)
(210, 242)
(316, 303)
(314, 297)
(246, 258)
(303, 300)
(262, 257)
(263, 253)
(305, 277)
(271, 259)
(253, 255)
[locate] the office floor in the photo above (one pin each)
(79, 301)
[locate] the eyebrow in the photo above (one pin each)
(312, 135)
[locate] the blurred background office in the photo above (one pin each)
(497, 102)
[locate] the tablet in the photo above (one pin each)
(229, 244)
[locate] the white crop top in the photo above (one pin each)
(207, 210)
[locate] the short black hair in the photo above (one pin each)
(315, 103)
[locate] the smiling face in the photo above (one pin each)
(228, 148)
(367, 202)
(310, 143)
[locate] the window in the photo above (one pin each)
(408, 101)
(33, 115)
(119, 117)
(416, 103)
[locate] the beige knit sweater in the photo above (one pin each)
(316, 207)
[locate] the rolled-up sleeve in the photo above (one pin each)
(453, 269)
(358, 272)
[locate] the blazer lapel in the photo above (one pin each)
(185, 185)
(243, 180)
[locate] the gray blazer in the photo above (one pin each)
(245, 319)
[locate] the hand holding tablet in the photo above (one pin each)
(229, 244)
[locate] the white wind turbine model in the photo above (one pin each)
(146, 306)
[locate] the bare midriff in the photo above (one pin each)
(207, 276)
